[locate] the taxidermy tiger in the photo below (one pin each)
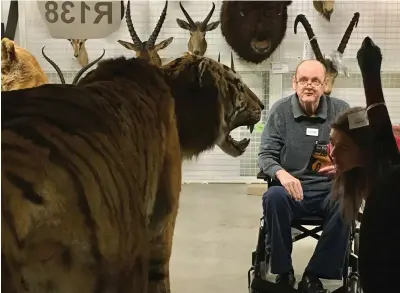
(91, 173)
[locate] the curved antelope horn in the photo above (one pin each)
(154, 35)
(219, 57)
(83, 69)
(122, 9)
(136, 40)
(346, 37)
(207, 19)
(311, 36)
(189, 19)
(60, 74)
(232, 64)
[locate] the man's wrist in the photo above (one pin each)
(279, 173)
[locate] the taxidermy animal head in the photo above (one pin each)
(211, 101)
(78, 45)
(254, 29)
(331, 64)
(80, 53)
(19, 69)
(147, 50)
(197, 42)
(325, 8)
(80, 72)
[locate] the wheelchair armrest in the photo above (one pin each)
(263, 176)
(269, 180)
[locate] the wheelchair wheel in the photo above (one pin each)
(354, 285)
(356, 243)
(264, 267)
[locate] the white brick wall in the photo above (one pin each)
(379, 19)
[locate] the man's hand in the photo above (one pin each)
(328, 170)
(291, 184)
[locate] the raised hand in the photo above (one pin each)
(369, 57)
(328, 170)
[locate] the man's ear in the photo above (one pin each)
(206, 77)
(294, 83)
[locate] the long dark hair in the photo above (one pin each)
(351, 187)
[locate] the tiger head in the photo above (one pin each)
(211, 100)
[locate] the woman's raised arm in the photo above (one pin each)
(369, 58)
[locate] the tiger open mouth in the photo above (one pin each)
(238, 147)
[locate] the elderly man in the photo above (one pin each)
(294, 124)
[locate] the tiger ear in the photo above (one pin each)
(205, 73)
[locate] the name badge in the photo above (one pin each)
(358, 119)
(312, 131)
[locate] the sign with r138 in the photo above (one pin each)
(81, 19)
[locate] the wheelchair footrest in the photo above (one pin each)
(341, 289)
(261, 286)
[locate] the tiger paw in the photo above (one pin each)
(369, 57)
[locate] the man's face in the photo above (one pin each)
(309, 82)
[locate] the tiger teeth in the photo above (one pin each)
(251, 127)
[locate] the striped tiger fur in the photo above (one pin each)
(91, 173)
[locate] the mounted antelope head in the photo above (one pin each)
(78, 45)
(325, 8)
(333, 64)
(197, 42)
(80, 53)
(80, 72)
(147, 49)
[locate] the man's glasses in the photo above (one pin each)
(304, 82)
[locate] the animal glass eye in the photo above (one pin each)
(279, 10)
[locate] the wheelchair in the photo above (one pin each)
(258, 272)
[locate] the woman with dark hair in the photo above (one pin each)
(352, 153)
(367, 160)
(356, 162)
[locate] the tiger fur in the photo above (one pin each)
(19, 68)
(91, 173)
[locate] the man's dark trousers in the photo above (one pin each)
(280, 209)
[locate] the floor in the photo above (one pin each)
(216, 231)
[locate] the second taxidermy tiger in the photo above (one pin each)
(91, 173)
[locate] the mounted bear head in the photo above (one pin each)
(254, 29)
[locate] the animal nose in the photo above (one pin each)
(328, 14)
(262, 106)
(367, 43)
(196, 52)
